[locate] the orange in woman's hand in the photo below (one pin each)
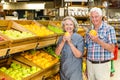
(66, 34)
(93, 32)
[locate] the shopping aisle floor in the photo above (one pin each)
(117, 68)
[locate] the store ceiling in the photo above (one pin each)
(29, 0)
(34, 0)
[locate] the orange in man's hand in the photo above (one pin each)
(93, 32)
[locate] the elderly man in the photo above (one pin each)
(100, 47)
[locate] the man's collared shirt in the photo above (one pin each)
(95, 51)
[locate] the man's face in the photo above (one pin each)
(96, 18)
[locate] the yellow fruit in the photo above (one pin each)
(93, 32)
(83, 66)
(67, 34)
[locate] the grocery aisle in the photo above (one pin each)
(117, 69)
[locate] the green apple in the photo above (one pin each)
(3, 69)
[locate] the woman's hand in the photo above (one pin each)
(67, 38)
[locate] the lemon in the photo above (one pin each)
(67, 34)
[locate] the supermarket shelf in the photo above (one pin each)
(114, 22)
(3, 52)
(47, 72)
(21, 45)
(116, 25)
(21, 48)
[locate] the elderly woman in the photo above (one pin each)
(70, 47)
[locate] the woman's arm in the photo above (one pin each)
(77, 53)
(59, 47)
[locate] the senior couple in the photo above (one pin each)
(99, 48)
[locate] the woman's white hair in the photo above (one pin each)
(95, 9)
(73, 20)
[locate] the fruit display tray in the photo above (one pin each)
(23, 41)
(4, 23)
(7, 63)
(10, 25)
(3, 52)
(42, 41)
(49, 40)
(47, 72)
(22, 48)
(55, 23)
(4, 43)
(26, 25)
(45, 23)
(4, 46)
(4, 76)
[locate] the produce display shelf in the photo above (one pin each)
(2, 74)
(4, 44)
(21, 48)
(5, 76)
(45, 23)
(47, 72)
(23, 41)
(11, 25)
(24, 60)
(3, 52)
(24, 44)
(45, 41)
(4, 23)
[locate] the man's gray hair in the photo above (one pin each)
(98, 10)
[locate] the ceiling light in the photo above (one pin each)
(12, 0)
(2, 1)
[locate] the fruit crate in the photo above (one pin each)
(21, 41)
(21, 44)
(35, 27)
(52, 39)
(4, 42)
(10, 68)
(55, 23)
(4, 76)
(4, 46)
(51, 23)
(4, 63)
(43, 22)
(39, 58)
(46, 41)
(46, 72)
(55, 26)
(4, 24)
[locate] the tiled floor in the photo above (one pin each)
(117, 69)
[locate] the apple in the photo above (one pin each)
(3, 69)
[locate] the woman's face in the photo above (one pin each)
(96, 18)
(69, 26)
